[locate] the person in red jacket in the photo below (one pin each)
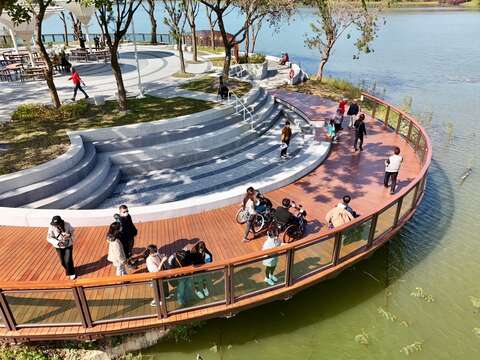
(77, 83)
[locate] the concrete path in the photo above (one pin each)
(157, 65)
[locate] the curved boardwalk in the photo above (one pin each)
(26, 255)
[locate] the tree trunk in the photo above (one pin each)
(65, 29)
(247, 43)
(117, 73)
(227, 62)
(325, 56)
(212, 28)
(212, 38)
(49, 72)
(153, 21)
(194, 43)
(77, 30)
(323, 62)
(180, 53)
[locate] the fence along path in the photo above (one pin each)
(27, 261)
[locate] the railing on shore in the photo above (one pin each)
(163, 39)
(90, 302)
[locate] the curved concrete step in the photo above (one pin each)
(179, 134)
(55, 184)
(182, 153)
(102, 192)
(79, 191)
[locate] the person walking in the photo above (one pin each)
(60, 235)
(342, 105)
(270, 263)
(115, 249)
(360, 132)
(392, 166)
(338, 120)
(352, 112)
(77, 82)
(127, 234)
(285, 139)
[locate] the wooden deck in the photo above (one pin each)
(26, 255)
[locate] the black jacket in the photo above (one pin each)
(353, 109)
(360, 128)
(129, 231)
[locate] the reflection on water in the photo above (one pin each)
(433, 58)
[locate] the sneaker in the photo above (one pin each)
(273, 278)
(269, 281)
(72, 99)
(153, 303)
(199, 294)
(392, 192)
(73, 277)
(206, 292)
(170, 296)
(245, 240)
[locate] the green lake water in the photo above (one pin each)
(432, 56)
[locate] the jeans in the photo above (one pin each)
(284, 150)
(127, 245)
(66, 259)
(351, 120)
(78, 87)
(393, 176)
(358, 139)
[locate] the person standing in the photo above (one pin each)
(270, 263)
(342, 105)
(285, 139)
(338, 120)
(127, 234)
(392, 166)
(360, 132)
(96, 40)
(115, 249)
(353, 111)
(249, 207)
(77, 82)
(60, 235)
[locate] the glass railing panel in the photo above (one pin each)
(407, 203)
(355, 237)
(43, 307)
(414, 134)
(393, 119)
(385, 220)
(251, 277)
(121, 301)
(404, 125)
(194, 290)
(381, 112)
(313, 257)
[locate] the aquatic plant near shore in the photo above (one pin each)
(475, 302)
(418, 293)
(362, 338)
(387, 315)
(414, 347)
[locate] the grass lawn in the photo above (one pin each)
(38, 133)
(329, 88)
(210, 85)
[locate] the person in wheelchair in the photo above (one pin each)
(283, 216)
(262, 203)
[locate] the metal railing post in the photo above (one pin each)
(374, 110)
(387, 115)
(227, 270)
(337, 247)
(82, 306)
(397, 213)
(160, 299)
(399, 123)
(409, 129)
(371, 235)
(289, 268)
(6, 313)
(418, 141)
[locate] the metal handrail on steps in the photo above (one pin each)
(241, 107)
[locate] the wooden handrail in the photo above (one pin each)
(226, 266)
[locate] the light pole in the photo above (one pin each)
(139, 78)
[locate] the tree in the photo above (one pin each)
(150, 10)
(122, 13)
(65, 29)
(77, 30)
(334, 18)
(191, 8)
(251, 11)
(212, 22)
(175, 19)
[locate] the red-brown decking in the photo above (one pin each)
(26, 256)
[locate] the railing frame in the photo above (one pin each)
(228, 267)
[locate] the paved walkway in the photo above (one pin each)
(157, 65)
(344, 172)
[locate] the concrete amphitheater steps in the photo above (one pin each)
(195, 149)
(79, 191)
(177, 134)
(39, 190)
(209, 179)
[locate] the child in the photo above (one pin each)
(115, 250)
(271, 263)
(331, 131)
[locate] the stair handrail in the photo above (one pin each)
(241, 107)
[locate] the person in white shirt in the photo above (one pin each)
(156, 263)
(392, 166)
(249, 207)
(60, 235)
(270, 264)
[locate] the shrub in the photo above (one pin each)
(252, 59)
